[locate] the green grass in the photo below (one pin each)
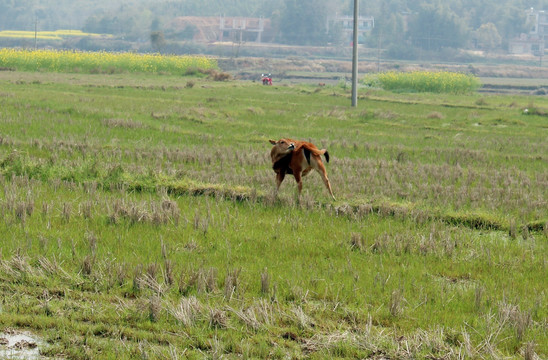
(137, 219)
(425, 81)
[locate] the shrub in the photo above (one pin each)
(426, 81)
(221, 76)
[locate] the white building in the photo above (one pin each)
(365, 25)
(532, 42)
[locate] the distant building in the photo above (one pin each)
(526, 45)
(533, 42)
(346, 23)
(208, 29)
(538, 21)
(238, 27)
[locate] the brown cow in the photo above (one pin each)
(297, 158)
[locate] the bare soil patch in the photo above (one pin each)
(19, 345)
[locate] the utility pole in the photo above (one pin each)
(355, 57)
(35, 30)
(379, 50)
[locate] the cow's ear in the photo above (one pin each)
(273, 142)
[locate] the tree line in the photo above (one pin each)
(403, 27)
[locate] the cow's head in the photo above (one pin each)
(282, 148)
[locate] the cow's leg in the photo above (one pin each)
(321, 170)
(279, 178)
(299, 181)
(306, 171)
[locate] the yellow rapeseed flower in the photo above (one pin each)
(66, 60)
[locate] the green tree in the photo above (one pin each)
(512, 22)
(389, 25)
(487, 37)
(303, 22)
(156, 24)
(435, 27)
(157, 40)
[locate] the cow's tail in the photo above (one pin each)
(326, 154)
(314, 150)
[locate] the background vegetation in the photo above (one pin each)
(406, 29)
(424, 81)
(137, 218)
(103, 62)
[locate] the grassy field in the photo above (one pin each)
(137, 220)
(50, 35)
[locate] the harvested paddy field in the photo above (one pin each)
(138, 219)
